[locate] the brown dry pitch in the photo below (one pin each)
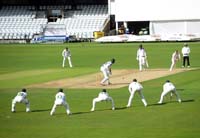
(120, 78)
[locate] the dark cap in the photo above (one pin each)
(103, 90)
(113, 60)
(60, 90)
(135, 80)
(23, 90)
(167, 80)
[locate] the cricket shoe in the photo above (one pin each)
(28, 110)
(128, 106)
(68, 112)
(51, 114)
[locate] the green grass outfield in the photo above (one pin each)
(25, 64)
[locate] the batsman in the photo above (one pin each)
(106, 70)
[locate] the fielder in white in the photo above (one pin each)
(142, 58)
(167, 88)
(175, 58)
(21, 98)
(60, 100)
(106, 70)
(66, 54)
(103, 96)
(135, 87)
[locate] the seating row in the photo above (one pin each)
(22, 22)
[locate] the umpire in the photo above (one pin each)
(186, 52)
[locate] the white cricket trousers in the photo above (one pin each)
(173, 64)
(19, 99)
(106, 74)
(146, 61)
(132, 95)
(60, 103)
(69, 60)
(141, 63)
(173, 91)
(98, 99)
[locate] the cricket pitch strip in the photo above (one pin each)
(120, 78)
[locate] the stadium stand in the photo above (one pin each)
(85, 20)
(20, 22)
(26, 22)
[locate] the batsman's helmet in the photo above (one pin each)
(103, 90)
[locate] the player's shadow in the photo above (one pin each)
(79, 113)
(120, 108)
(40, 110)
(155, 104)
(190, 100)
(183, 101)
(117, 108)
